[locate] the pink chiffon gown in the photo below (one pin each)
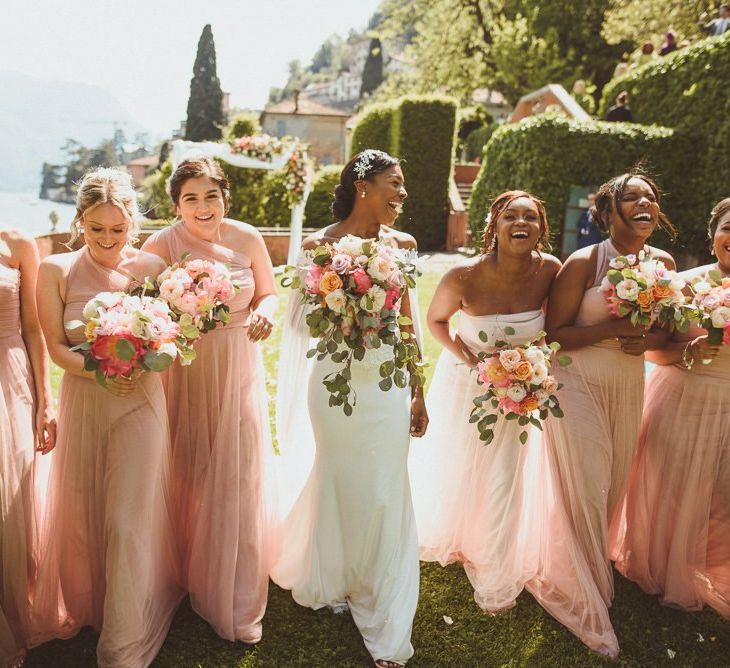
(676, 537)
(494, 508)
(17, 504)
(220, 443)
(107, 550)
(592, 447)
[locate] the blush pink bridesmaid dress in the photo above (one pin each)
(676, 537)
(592, 447)
(17, 504)
(108, 553)
(220, 441)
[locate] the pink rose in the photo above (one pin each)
(396, 280)
(313, 277)
(391, 299)
(363, 282)
(341, 263)
(507, 405)
(105, 350)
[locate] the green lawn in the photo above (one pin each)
(525, 636)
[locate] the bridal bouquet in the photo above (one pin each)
(197, 292)
(355, 287)
(516, 382)
(644, 290)
(712, 301)
(126, 333)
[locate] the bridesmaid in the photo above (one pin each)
(107, 549)
(677, 541)
(26, 425)
(593, 445)
(351, 536)
(490, 506)
(218, 413)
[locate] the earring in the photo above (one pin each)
(362, 194)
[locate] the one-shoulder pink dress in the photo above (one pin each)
(108, 558)
(219, 428)
(676, 542)
(593, 445)
(17, 505)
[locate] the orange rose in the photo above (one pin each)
(329, 282)
(660, 292)
(523, 370)
(528, 404)
(645, 299)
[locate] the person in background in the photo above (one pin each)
(588, 232)
(644, 55)
(621, 69)
(620, 111)
(669, 44)
(582, 97)
(719, 25)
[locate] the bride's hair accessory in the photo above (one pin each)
(363, 166)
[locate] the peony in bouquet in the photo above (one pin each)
(197, 292)
(126, 333)
(355, 287)
(712, 301)
(643, 289)
(517, 382)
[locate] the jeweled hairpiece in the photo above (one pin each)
(363, 166)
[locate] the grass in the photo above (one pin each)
(525, 636)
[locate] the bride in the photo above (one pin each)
(349, 531)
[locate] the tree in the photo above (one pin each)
(372, 73)
(164, 154)
(49, 179)
(205, 104)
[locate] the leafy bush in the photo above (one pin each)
(424, 130)
(548, 154)
(477, 140)
(155, 202)
(318, 211)
(687, 90)
(242, 125)
(374, 129)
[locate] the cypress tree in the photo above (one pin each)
(372, 72)
(205, 104)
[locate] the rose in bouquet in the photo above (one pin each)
(355, 288)
(260, 147)
(198, 292)
(517, 383)
(644, 290)
(712, 301)
(128, 333)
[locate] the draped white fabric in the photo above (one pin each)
(182, 150)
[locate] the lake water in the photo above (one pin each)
(30, 214)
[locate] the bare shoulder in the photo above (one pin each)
(58, 264)
(581, 260)
(550, 264)
(149, 263)
(22, 246)
(244, 231)
(318, 238)
(665, 257)
(689, 274)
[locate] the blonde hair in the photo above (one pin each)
(106, 185)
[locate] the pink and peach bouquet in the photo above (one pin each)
(644, 290)
(354, 288)
(128, 333)
(712, 301)
(198, 292)
(517, 384)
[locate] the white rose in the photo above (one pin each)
(720, 316)
(509, 359)
(701, 287)
(539, 373)
(138, 326)
(628, 289)
(349, 244)
(677, 282)
(336, 300)
(168, 348)
(379, 268)
(516, 392)
(376, 296)
(534, 356)
(91, 309)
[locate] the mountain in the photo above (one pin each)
(37, 116)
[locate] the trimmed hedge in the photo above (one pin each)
(548, 154)
(477, 140)
(688, 90)
(374, 129)
(318, 210)
(422, 131)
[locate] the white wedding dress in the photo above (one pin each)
(348, 532)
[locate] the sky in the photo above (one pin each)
(143, 51)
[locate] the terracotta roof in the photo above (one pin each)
(147, 161)
(306, 108)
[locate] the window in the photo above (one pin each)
(280, 128)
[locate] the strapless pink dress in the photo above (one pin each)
(220, 432)
(18, 523)
(108, 553)
(676, 542)
(593, 445)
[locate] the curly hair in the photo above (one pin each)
(716, 215)
(499, 204)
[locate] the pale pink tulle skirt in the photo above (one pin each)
(676, 535)
(108, 556)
